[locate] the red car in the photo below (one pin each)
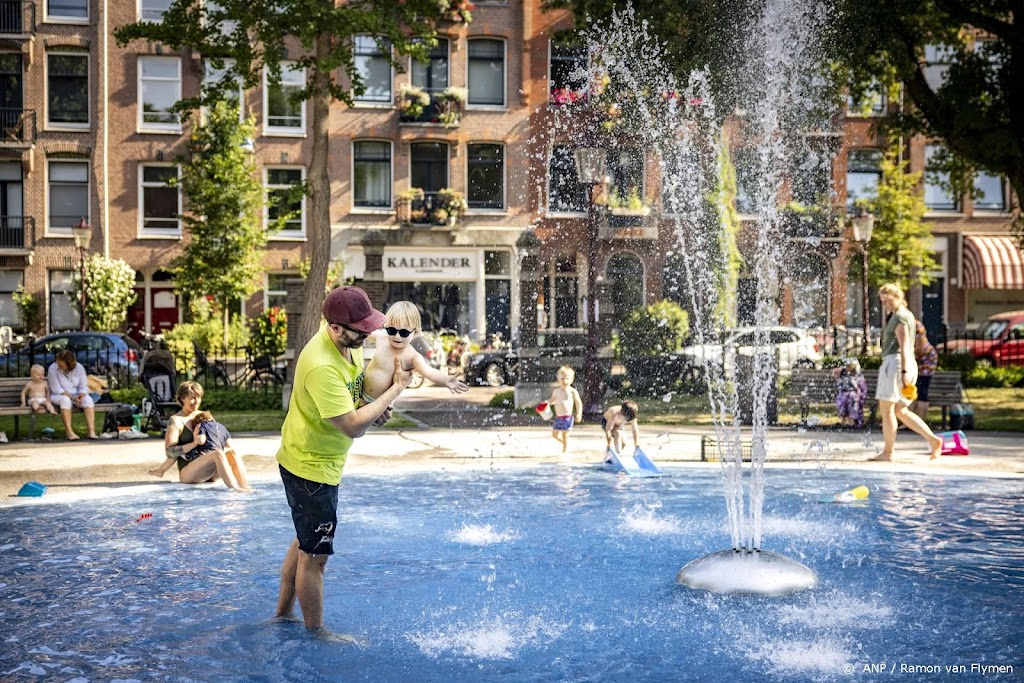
(999, 341)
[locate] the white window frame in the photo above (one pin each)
(937, 60)
(49, 18)
(140, 8)
(282, 131)
(987, 210)
(162, 233)
(375, 104)
(59, 125)
(277, 292)
(49, 231)
(282, 235)
(391, 165)
(504, 178)
(153, 126)
(208, 77)
(941, 211)
(870, 113)
(504, 76)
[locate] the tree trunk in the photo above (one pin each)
(319, 238)
(1017, 226)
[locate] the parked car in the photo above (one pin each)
(493, 368)
(999, 341)
(794, 348)
(107, 354)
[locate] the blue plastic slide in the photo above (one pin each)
(636, 465)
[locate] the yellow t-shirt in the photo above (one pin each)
(325, 386)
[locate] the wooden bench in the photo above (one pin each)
(10, 404)
(809, 387)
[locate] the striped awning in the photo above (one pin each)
(992, 263)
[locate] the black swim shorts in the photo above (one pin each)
(314, 512)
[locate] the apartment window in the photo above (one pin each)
(487, 72)
(10, 280)
(486, 176)
(160, 204)
(68, 193)
(745, 163)
(432, 77)
(282, 114)
(64, 314)
(937, 197)
(937, 59)
(153, 10)
(232, 93)
(625, 167)
(429, 166)
(872, 103)
(568, 71)
(67, 9)
(561, 293)
(159, 90)
(67, 88)
(565, 193)
(863, 174)
(276, 293)
(281, 202)
(498, 292)
(216, 16)
(371, 174)
(992, 192)
(374, 69)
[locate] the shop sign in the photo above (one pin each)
(402, 265)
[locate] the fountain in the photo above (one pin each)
(634, 100)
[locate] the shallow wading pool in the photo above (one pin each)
(551, 574)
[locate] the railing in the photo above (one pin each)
(18, 232)
(119, 368)
(17, 16)
(17, 126)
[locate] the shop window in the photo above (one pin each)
(159, 90)
(282, 201)
(160, 204)
(565, 193)
(487, 72)
(374, 69)
(863, 174)
(283, 115)
(64, 313)
(486, 176)
(67, 89)
(498, 292)
(371, 174)
(991, 191)
(68, 192)
(10, 280)
(937, 195)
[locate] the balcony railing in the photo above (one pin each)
(17, 16)
(18, 233)
(17, 126)
(640, 224)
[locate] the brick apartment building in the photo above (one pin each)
(86, 132)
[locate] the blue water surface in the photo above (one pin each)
(552, 574)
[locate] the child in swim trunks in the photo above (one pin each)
(36, 394)
(566, 404)
(401, 325)
(615, 419)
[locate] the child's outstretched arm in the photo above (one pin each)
(439, 377)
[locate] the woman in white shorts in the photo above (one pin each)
(69, 386)
(899, 369)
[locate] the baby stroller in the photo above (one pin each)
(158, 377)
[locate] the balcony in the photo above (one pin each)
(17, 17)
(426, 209)
(427, 106)
(17, 127)
(628, 224)
(17, 235)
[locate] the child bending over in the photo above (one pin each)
(615, 419)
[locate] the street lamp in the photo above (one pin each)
(863, 222)
(590, 169)
(83, 237)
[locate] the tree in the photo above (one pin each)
(316, 34)
(224, 256)
(110, 290)
(898, 251)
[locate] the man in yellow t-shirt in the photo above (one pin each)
(321, 423)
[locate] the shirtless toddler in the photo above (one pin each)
(567, 406)
(395, 341)
(36, 394)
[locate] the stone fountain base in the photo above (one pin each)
(747, 572)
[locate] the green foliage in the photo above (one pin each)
(870, 362)
(235, 398)
(180, 342)
(658, 328)
(1007, 376)
(898, 251)
(502, 399)
(224, 256)
(110, 290)
(728, 281)
(30, 310)
(269, 335)
(962, 362)
(132, 395)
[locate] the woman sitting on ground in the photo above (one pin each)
(69, 387)
(179, 442)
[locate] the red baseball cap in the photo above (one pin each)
(350, 307)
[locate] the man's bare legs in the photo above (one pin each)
(302, 576)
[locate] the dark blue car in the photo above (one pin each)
(106, 354)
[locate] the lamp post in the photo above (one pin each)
(590, 168)
(83, 237)
(863, 222)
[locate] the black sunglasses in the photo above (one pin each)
(346, 327)
(392, 331)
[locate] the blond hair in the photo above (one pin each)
(895, 291)
(566, 370)
(403, 314)
(38, 367)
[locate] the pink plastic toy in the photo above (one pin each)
(954, 443)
